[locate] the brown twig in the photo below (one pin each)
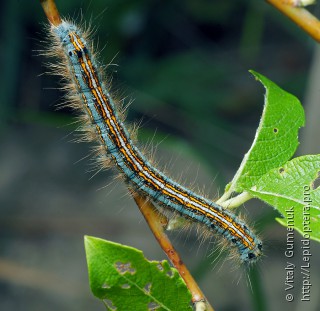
(156, 221)
(51, 11)
(302, 17)
(157, 224)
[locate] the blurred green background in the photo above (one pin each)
(185, 64)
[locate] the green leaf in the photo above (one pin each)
(294, 186)
(123, 278)
(276, 138)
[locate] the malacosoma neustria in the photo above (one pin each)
(88, 92)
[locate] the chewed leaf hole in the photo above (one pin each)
(281, 170)
(275, 130)
(153, 306)
(147, 288)
(125, 286)
(316, 182)
(124, 268)
(109, 304)
(170, 273)
(160, 267)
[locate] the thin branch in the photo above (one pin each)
(299, 3)
(51, 11)
(157, 223)
(302, 17)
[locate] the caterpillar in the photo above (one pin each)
(88, 92)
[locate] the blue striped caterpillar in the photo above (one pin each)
(87, 92)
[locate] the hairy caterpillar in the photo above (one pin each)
(88, 92)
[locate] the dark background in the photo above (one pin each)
(185, 64)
